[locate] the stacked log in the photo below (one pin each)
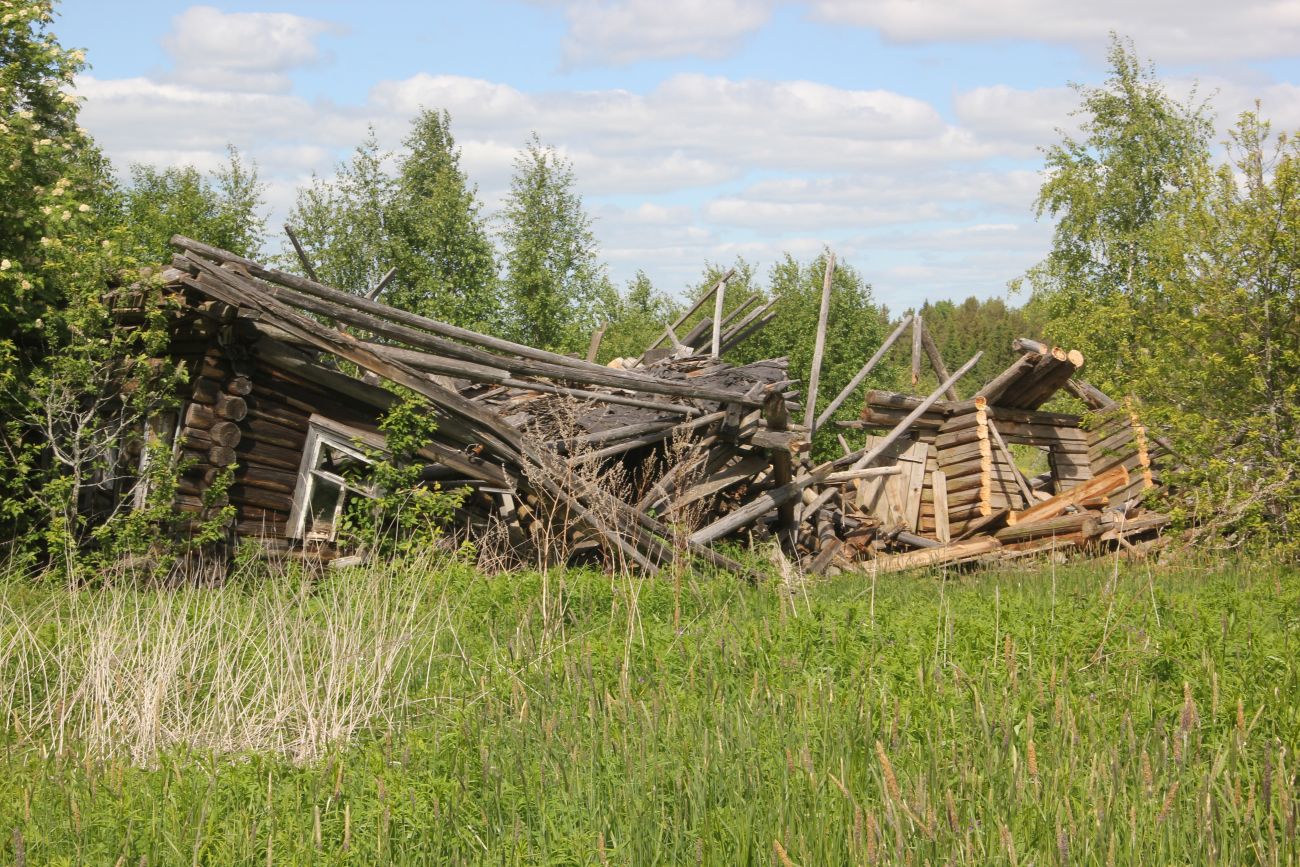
(965, 456)
(1117, 438)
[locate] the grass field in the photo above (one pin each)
(1097, 714)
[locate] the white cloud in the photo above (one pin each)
(246, 51)
(1023, 119)
(619, 32)
(1169, 30)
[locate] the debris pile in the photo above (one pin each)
(286, 377)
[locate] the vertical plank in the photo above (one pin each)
(777, 418)
(939, 484)
(718, 298)
(819, 348)
(936, 361)
(917, 328)
(917, 456)
(594, 347)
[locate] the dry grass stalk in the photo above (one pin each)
(292, 670)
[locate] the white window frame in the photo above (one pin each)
(321, 432)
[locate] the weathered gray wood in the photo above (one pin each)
(936, 361)
(744, 334)
(863, 458)
(718, 298)
(819, 349)
(918, 326)
(784, 493)
(382, 311)
(862, 373)
(383, 282)
(677, 323)
(302, 254)
(939, 485)
(778, 419)
(1021, 481)
(593, 348)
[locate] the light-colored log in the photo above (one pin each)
(819, 348)
(862, 373)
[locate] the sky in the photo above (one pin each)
(905, 135)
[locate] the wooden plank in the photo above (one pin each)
(936, 362)
(928, 557)
(761, 505)
(917, 328)
(819, 349)
(1021, 481)
(939, 484)
(862, 373)
(593, 348)
(1099, 486)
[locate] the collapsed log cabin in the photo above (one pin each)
(288, 380)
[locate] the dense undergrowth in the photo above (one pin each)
(1090, 714)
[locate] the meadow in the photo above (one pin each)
(425, 713)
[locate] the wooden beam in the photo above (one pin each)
(719, 297)
(593, 348)
(1100, 486)
(1021, 481)
(677, 323)
(917, 328)
(939, 485)
(302, 254)
(819, 348)
(936, 361)
(862, 372)
(383, 281)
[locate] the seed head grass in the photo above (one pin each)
(425, 712)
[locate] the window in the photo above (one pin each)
(334, 469)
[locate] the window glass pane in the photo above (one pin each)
(325, 496)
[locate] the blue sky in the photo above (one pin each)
(902, 133)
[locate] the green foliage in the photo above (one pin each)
(408, 516)
(221, 210)
(636, 318)
(343, 222)
(1177, 279)
(1080, 715)
(445, 261)
(424, 220)
(1124, 200)
(555, 282)
(74, 389)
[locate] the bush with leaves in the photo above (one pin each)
(1179, 278)
(407, 515)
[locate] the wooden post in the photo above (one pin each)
(862, 374)
(819, 348)
(778, 418)
(302, 254)
(677, 323)
(917, 327)
(718, 298)
(594, 347)
(781, 494)
(888, 439)
(383, 281)
(939, 486)
(936, 361)
(1015, 470)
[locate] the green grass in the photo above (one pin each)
(1076, 715)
